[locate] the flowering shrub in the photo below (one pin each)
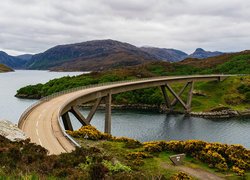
(153, 147)
(88, 132)
(138, 155)
(219, 156)
(238, 171)
(180, 176)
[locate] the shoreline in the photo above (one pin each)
(220, 114)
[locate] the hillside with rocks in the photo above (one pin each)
(11, 131)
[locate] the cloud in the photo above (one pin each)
(32, 26)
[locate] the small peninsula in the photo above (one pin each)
(4, 68)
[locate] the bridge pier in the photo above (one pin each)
(66, 122)
(177, 97)
(107, 127)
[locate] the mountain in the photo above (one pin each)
(164, 54)
(11, 61)
(88, 56)
(4, 68)
(25, 57)
(200, 53)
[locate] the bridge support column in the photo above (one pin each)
(66, 122)
(74, 110)
(190, 96)
(166, 98)
(107, 128)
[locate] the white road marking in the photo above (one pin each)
(37, 132)
(37, 123)
(40, 141)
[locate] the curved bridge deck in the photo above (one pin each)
(42, 122)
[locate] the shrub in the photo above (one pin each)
(137, 155)
(117, 167)
(238, 171)
(88, 132)
(233, 99)
(181, 176)
(129, 143)
(152, 147)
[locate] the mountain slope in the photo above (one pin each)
(200, 53)
(25, 57)
(11, 61)
(172, 55)
(90, 55)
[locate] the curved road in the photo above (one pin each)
(41, 123)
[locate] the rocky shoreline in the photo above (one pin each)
(213, 114)
(221, 114)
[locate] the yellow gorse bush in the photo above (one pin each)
(217, 155)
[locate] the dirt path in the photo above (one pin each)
(197, 173)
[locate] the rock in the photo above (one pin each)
(11, 131)
(226, 113)
(198, 93)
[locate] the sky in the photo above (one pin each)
(33, 26)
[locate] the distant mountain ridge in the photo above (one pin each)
(200, 53)
(25, 57)
(174, 55)
(164, 54)
(90, 55)
(98, 55)
(11, 61)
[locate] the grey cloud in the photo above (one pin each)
(33, 26)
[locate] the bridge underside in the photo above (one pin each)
(166, 89)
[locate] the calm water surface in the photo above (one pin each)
(11, 108)
(141, 125)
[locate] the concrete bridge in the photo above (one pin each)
(43, 122)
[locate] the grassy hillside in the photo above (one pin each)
(4, 68)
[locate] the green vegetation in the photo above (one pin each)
(103, 156)
(237, 65)
(4, 68)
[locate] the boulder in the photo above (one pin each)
(11, 131)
